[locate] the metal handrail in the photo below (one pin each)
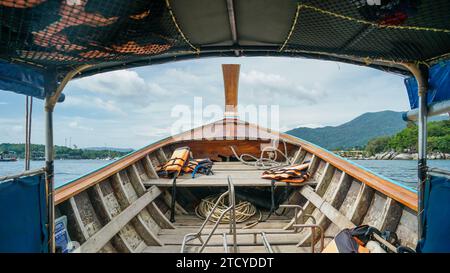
(225, 244)
(438, 171)
(297, 208)
(313, 226)
(23, 174)
(232, 207)
(313, 237)
(266, 242)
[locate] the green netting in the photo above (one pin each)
(86, 31)
(395, 30)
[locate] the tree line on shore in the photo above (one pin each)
(61, 152)
(406, 140)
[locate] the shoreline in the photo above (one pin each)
(399, 156)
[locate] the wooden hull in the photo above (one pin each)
(124, 206)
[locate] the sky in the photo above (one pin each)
(135, 107)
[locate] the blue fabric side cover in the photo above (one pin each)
(23, 215)
(23, 80)
(439, 85)
(436, 220)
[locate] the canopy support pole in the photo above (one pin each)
(420, 72)
(53, 89)
(50, 86)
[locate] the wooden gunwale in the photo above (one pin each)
(89, 180)
(93, 178)
(396, 192)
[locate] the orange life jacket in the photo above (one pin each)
(293, 174)
(176, 162)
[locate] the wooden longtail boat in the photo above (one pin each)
(125, 206)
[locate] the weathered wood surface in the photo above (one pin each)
(339, 194)
(211, 148)
(103, 236)
(221, 182)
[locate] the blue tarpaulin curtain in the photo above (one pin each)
(22, 80)
(439, 85)
(436, 220)
(23, 215)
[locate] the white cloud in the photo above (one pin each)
(269, 85)
(122, 86)
(76, 125)
(94, 103)
(182, 76)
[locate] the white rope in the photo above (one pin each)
(265, 163)
(244, 210)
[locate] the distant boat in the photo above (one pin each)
(8, 156)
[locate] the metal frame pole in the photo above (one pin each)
(53, 89)
(422, 145)
(50, 86)
(49, 176)
(420, 72)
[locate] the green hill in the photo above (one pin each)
(406, 140)
(357, 132)
(354, 133)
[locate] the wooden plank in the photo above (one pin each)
(99, 239)
(392, 213)
(140, 224)
(159, 217)
(119, 240)
(78, 222)
(326, 208)
(124, 200)
(222, 182)
(162, 154)
(150, 238)
(253, 174)
(136, 180)
(313, 164)
(321, 187)
(148, 166)
(336, 200)
(299, 156)
(362, 203)
(296, 158)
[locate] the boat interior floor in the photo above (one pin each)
(130, 211)
(242, 175)
(281, 240)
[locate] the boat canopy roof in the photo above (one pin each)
(60, 36)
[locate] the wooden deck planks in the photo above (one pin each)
(221, 182)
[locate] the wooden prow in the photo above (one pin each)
(231, 82)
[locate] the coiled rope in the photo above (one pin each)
(244, 210)
(264, 163)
